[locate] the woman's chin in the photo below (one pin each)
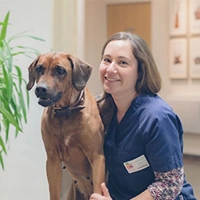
(106, 89)
(109, 90)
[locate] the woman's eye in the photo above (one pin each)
(123, 63)
(106, 60)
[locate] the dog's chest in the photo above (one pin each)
(67, 140)
(64, 131)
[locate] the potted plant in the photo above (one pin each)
(14, 98)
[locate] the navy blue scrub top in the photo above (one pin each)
(148, 139)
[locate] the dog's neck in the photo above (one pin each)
(70, 109)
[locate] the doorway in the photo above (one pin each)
(130, 17)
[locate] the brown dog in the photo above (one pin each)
(71, 126)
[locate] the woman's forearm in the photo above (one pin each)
(144, 195)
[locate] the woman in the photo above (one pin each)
(143, 142)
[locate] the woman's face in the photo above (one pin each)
(119, 69)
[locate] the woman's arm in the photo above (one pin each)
(106, 196)
(144, 195)
(167, 186)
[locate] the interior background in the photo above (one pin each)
(79, 27)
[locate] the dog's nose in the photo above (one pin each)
(40, 91)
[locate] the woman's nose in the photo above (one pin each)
(111, 67)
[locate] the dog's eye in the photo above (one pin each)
(60, 70)
(39, 69)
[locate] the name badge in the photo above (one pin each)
(136, 164)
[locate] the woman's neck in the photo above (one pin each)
(123, 103)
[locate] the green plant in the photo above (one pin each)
(14, 99)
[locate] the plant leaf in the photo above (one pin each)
(4, 28)
(1, 160)
(9, 117)
(22, 35)
(8, 82)
(14, 98)
(3, 145)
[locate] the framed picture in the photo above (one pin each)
(194, 57)
(178, 58)
(178, 17)
(194, 7)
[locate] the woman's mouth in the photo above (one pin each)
(111, 79)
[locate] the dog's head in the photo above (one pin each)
(56, 74)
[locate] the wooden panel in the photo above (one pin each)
(134, 17)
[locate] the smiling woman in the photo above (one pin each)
(143, 142)
(118, 69)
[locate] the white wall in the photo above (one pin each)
(24, 176)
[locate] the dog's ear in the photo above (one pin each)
(31, 74)
(81, 72)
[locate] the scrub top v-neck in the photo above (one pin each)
(138, 146)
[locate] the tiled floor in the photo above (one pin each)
(192, 172)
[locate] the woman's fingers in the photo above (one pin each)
(105, 190)
(105, 194)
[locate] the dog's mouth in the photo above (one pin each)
(45, 102)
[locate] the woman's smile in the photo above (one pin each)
(108, 79)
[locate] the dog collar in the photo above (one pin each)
(68, 110)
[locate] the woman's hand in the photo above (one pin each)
(105, 194)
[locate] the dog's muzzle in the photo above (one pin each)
(45, 98)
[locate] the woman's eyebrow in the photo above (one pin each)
(106, 55)
(123, 57)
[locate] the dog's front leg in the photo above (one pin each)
(54, 175)
(98, 172)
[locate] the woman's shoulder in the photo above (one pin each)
(156, 112)
(153, 106)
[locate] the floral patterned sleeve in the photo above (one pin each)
(167, 185)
